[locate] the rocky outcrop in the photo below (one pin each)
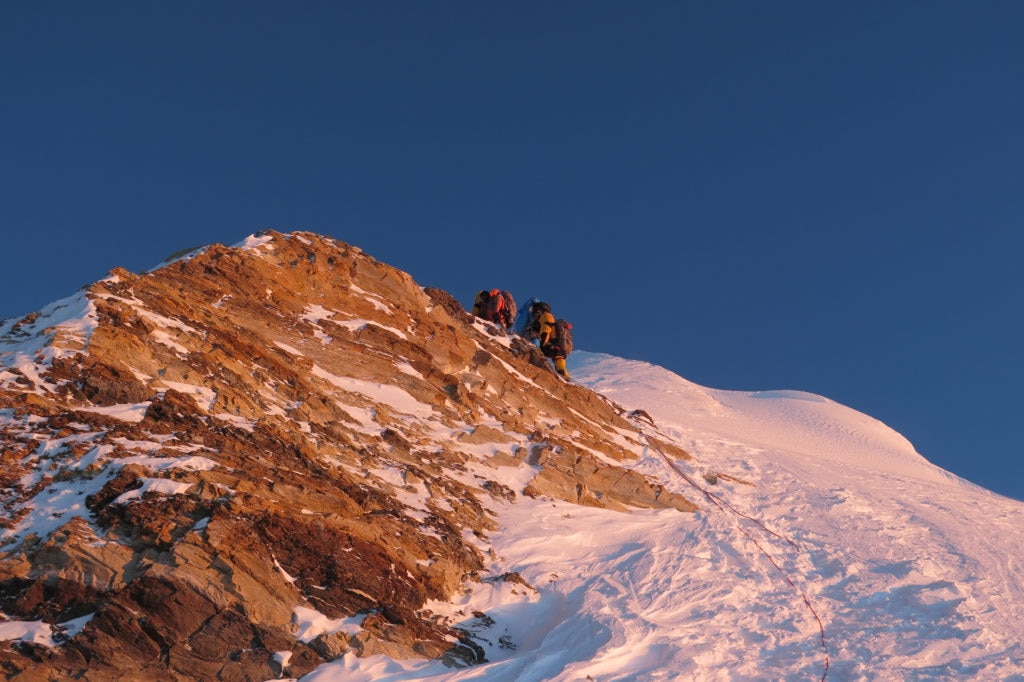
(192, 453)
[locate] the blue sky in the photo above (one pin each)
(795, 195)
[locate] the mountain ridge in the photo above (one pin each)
(285, 459)
(228, 420)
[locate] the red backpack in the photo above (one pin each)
(563, 335)
(501, 308)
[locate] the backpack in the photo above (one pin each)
(563, 333)
(501, 308)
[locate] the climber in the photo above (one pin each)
(553, 337)
(480, 303)
(537, 322)
(526, 319)
(495, 306)
(559, 345)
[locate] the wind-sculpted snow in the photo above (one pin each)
(912, 569)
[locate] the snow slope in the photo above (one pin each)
(827, 548)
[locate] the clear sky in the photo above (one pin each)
(788, 195)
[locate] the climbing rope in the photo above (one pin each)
(724, 506)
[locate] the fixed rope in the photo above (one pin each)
(724, 506)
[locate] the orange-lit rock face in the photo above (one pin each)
(192, 453)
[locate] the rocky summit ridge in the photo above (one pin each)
(193, 456)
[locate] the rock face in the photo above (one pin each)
(192, 455)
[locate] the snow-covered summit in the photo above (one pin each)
(794, 422)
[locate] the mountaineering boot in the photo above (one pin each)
(560, 367)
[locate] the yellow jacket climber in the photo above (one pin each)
(543, 332)
(545, 327)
